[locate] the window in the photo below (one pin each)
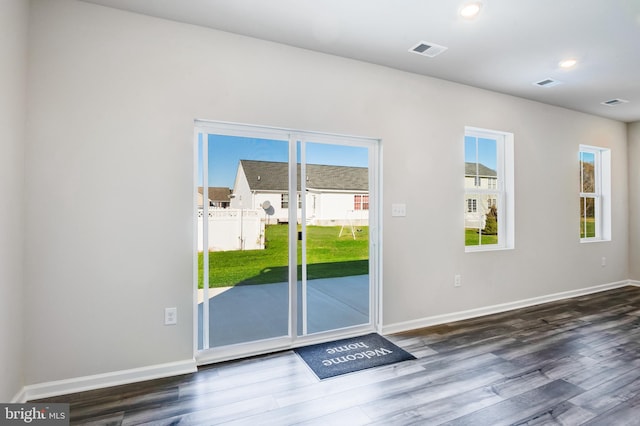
(472, 205)
(489, 192)
(361, 202)
(595, 190)
(284, 201)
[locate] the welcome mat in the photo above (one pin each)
(349, 355)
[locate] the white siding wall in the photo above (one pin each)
(278, 213)
(337, 209)
(324, 209)
(241, 193)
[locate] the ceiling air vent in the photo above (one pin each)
(547, 82)
(425, 48)
(614, 102)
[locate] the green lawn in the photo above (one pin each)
(327, 256)
(591, 227)
(472, 238)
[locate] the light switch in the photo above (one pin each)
(170, 316)
(398, 210)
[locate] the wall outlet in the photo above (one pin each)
(170, 316)
(603, 263)
(457, 281)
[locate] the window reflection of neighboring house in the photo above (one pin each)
(480, 180)
(335, 195)
(218, 197)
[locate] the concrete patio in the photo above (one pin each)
(246, 313)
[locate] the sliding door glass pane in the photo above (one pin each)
(247, 240)
(334, 221)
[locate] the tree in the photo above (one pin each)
(491, 224)
(587, 185)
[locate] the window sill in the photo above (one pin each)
(594, 240)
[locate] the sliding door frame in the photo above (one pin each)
(292, 340)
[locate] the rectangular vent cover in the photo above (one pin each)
(425, 48)
(547, 82)
(614, 102)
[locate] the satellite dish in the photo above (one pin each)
(267, 207)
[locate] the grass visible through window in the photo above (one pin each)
(327, 256)
(590, 228)
(472, 237)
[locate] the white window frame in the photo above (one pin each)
(472, 205)
(360, 201)
(505, 188)
(602, 194)
(285, 199)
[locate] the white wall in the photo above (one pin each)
(634, 200)
(113, 99)
(13, 70)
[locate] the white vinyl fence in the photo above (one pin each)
(232, 229)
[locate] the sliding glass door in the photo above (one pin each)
(333, 254)
(285, 229)
(243, 267)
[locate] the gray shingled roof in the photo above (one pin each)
(470, 170)
(217, 193)
(273, 176)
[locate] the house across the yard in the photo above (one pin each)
(335, 195)
(477, 205)
(218, 197)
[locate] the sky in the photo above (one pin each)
(225, 152)
(485, 149)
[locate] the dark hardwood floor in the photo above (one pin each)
(571, 362)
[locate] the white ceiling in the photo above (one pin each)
(508, 47)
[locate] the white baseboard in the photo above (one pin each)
(20, 397)
(495, 309)
(98, 381)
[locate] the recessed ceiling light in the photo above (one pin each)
(568, 63)
(470, 10)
